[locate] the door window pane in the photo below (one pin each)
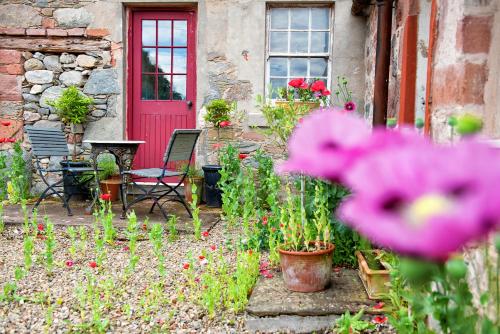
(179, 87)
(298, 42)
(164, 60)
(319, 42)
(148, 60)
(299, 18)
(320, 18)
(298, 67)
(278, 67)
(180, 60)
(164, 87)
(279, 18)
(180, 33)
(318, 67)
(165, 33)
(279, 41)
(148, 87)
(148, 32)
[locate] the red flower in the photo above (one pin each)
(273, 229)
(263, 266)
(40, 227)
(126, 248)
(282, 225)
(185, 266)
(69, 263)
(301, 120)
(201, 257)
(106, 197)
(6, 123)
(213, 247)
(380, 319)
(379, 305)
(205, 234)
(92, 264)
(250, 252)
(144, 227)
(304, 85)
(197, 280)
(266, 274)
(296, 83)
(2, 140)
(325, 92)
(224, 124)
(10, 140)
(318, 86)
(242, 156)
(264, 220)
(216, 146)
(350, 106)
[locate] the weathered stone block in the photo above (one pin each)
(49, 124)
(12, 109)
(37, 89)
(67, 58)
(39, 76)
(13, 31)
(10, 57)
(72, 17)
(33, 64)
(57, 32)
(30, 98)
(10, 87)
(49, 94)
(97, 32)
(474, 34)
(31, 117)
(16, 69)
(19, 16)
(53, 117)
(76, 32)
(86, 61)
(71, 78)
(102, 82)
(52, 63)
(48, 23)
(36, 32)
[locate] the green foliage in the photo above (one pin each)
(230, 184)
(219, 111)
(107, 167)
(348, 324)
(17, 174)
(132, 234)
(105, 216)
(73, 106)
(191, 170)
(195, 210)
(173, 234)
(2, 223)
(4, 176)
(50, 246)
(156, 239)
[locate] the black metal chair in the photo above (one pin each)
(180, 148)
(46, 143)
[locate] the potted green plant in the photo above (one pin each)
(374, 272)
(307, 251)
(303, 96)
(73, 108)
(193, 176)
(109, 177)
(219, 115)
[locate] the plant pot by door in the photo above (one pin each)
(72, 184)
(307, 271)
(188, 194)
(375, 280)
(213, 196)
(111, 187)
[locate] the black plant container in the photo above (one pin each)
(213, 196)
(72, 186)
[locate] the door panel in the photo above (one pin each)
(163, 81)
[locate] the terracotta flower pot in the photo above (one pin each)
(307, 271)
(188, 193)
(307, 106)
(374, 280)
(111, 187)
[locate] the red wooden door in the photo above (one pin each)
(163, 81)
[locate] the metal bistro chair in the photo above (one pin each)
(45, 143)
(180, 148)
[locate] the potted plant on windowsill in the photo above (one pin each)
(219, 115)
(307, 252)
(109, 176)
(302, 96)
(193, 176)
(73, 108)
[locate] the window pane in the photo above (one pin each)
(180, 60)
(279, 42)
(180, 33)
(299, 18)
(165, 33)
(179, 87)
(319, 67)
(298, 42)
(164, 59)
(298, 68)
(279, 18)
(148, 59)
(320, 18)
(148, 32)
(319, 42)
(164, 87)
(278, 67)
(276, 84)
(148, 87)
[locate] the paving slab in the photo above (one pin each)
(291, 324)
(53, 209)
(270, 298)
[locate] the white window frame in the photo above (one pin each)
(269, 54)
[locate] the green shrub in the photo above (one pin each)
(218, 111)
(73, 106)
(107, 167)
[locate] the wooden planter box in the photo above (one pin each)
(304, 106)
(375, 281)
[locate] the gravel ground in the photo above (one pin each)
(175, 312)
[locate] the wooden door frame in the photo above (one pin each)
(129, 66)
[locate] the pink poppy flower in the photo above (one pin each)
(350, 106)
(426, 201)
(264, 220)
(224, 124)
(69, 263)
(296, 83)
(126, 248)
(205, 234)
(318, 86)
(197, 280)
(213, 247)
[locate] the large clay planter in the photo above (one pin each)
(307, 271)
(375, 281)
(306, 106)
(188, 193)
(112, 187)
